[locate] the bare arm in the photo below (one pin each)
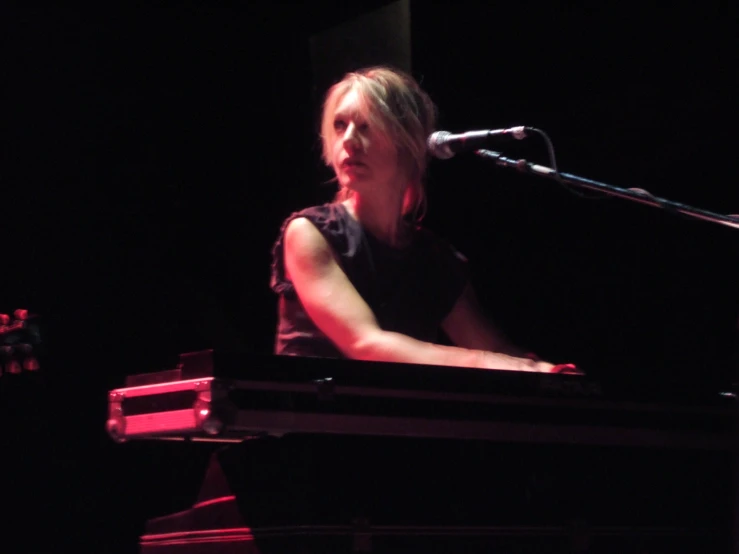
(468, 327)
(337, 309)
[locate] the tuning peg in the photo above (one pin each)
(4, 319)
(21, 315)
(30, 362)
(13, 367)
(6, 360)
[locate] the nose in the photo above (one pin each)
(351, 137)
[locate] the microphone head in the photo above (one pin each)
(437, 145)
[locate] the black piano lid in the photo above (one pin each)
(416, 377)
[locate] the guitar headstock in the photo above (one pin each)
(20, 341)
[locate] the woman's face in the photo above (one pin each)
(363, 157)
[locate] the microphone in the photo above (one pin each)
(444, 145)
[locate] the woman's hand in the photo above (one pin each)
(568, 369)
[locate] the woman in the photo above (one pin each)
(359, 278)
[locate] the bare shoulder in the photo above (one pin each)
(302, 237)
(306, 249)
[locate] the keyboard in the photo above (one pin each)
(229, 396)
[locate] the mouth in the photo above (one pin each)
(352, 163)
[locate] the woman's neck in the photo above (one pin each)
(383, 219)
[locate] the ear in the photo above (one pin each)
(413, 196)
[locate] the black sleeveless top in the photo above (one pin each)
(409, 289)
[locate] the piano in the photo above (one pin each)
(346, 456)
(226, 397)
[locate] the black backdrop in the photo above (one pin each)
(151, 155)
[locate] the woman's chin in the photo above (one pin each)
(353, 182)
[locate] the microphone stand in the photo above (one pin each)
(635, 195)
(644, 197)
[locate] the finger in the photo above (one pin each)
(570, 369)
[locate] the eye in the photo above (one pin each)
(339, 125)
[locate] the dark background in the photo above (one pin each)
(150, 156)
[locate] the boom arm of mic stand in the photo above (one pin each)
(629, 194)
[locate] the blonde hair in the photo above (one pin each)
(393, 102)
